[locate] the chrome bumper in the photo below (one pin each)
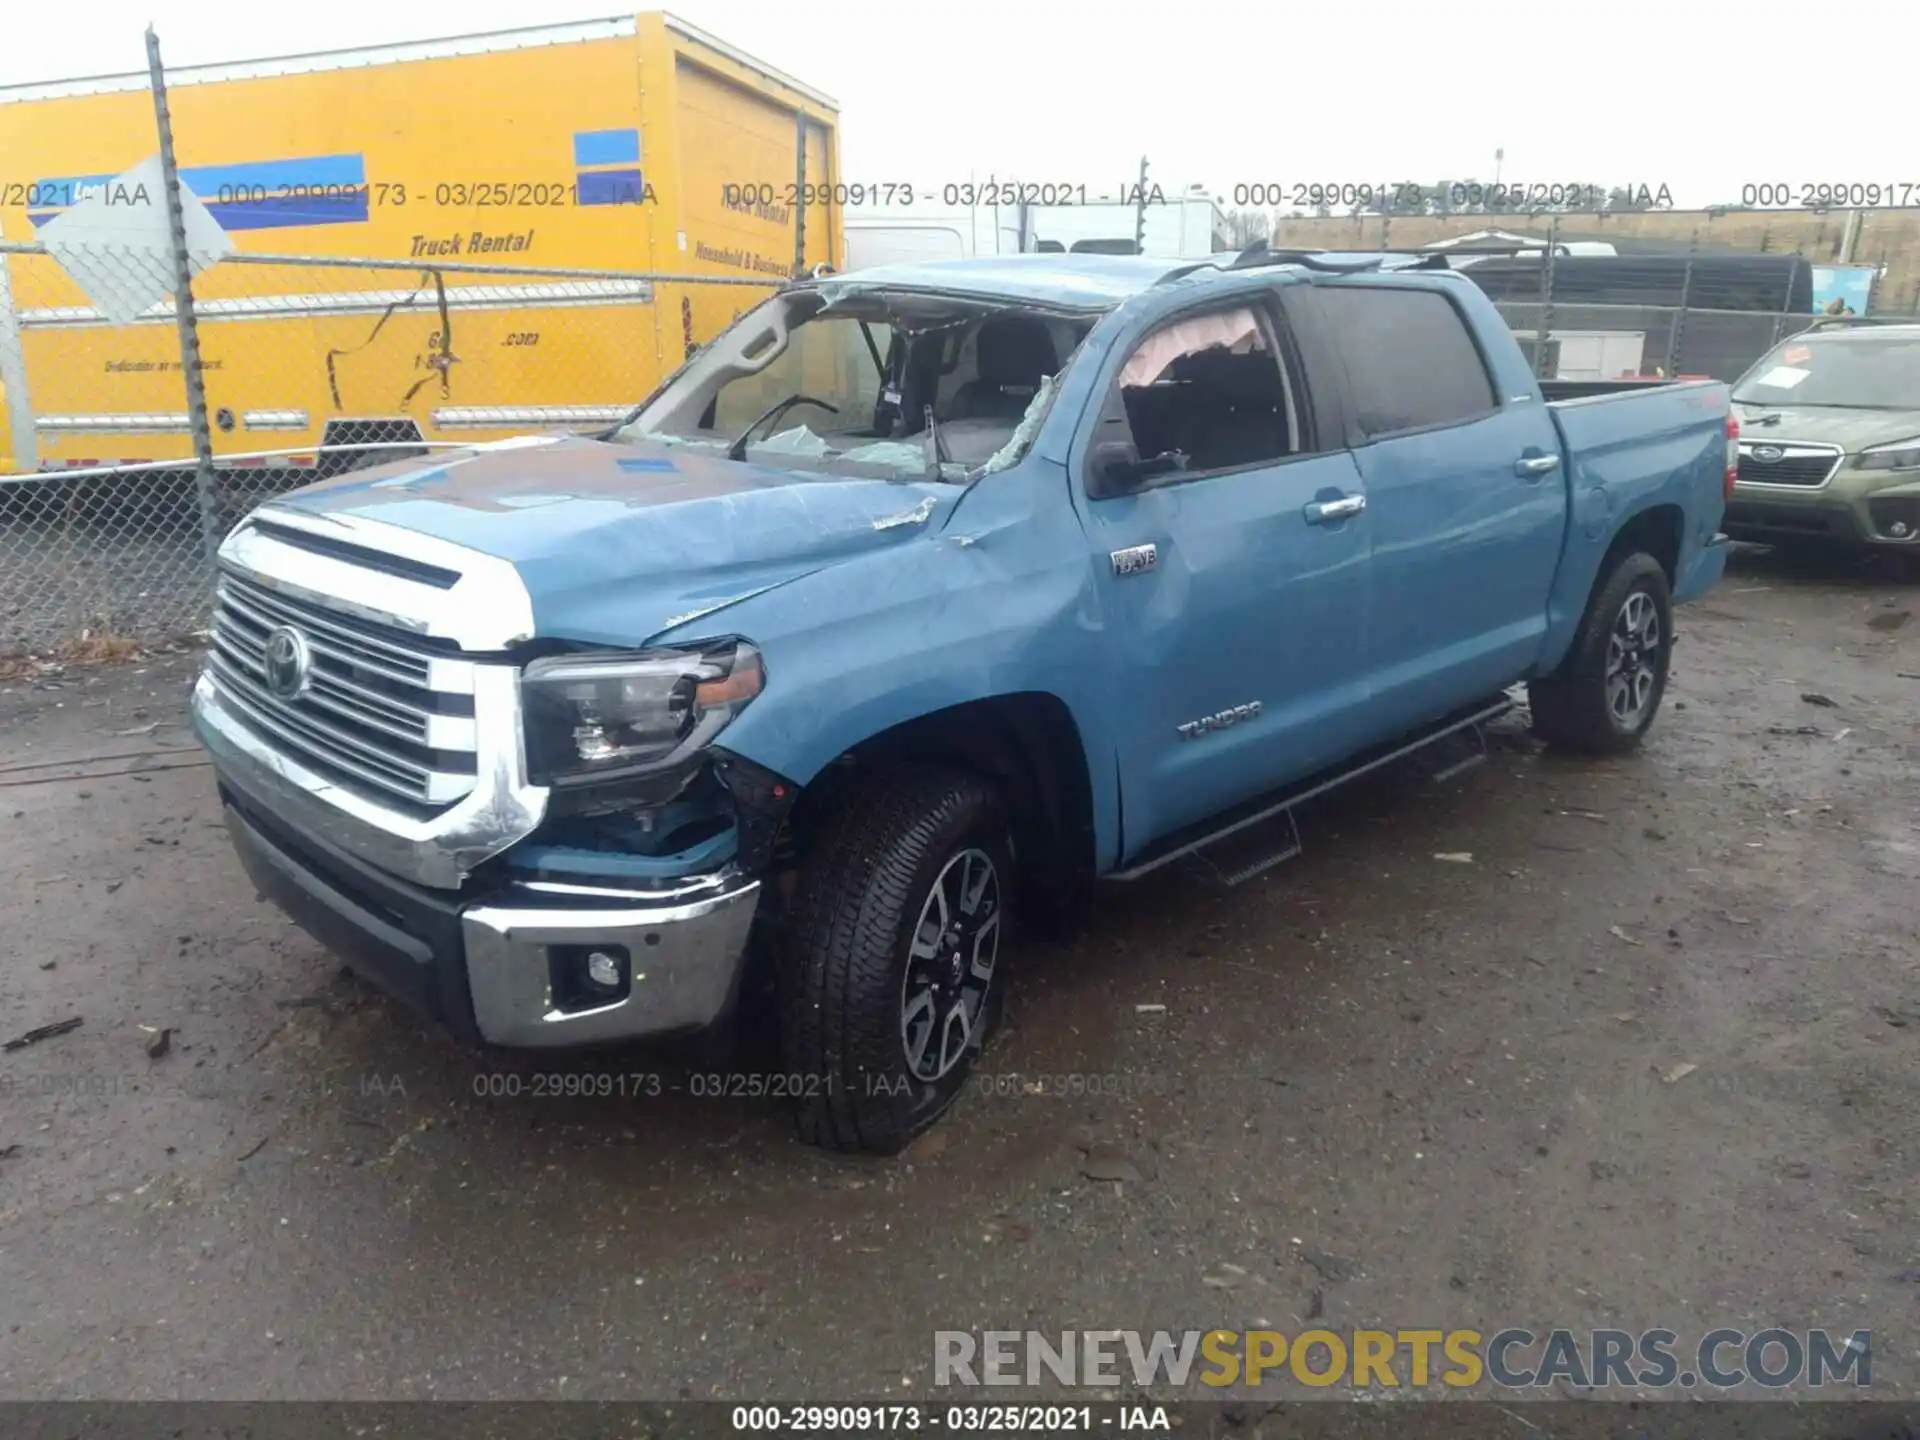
(384, 896)
(682, 951)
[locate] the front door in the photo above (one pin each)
(1233, 583)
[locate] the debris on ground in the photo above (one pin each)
(1149, 1009)
(1619, 934)
(1813, 730)
(1889, 619)
(1679, 1072)
(159, 1043)
(1332, 1268)
(1229, 1276)
(1456, 857)
(44, 1032)
(1814, 697)
(1109, 1162)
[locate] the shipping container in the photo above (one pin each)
(636, 144)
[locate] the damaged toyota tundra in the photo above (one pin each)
(913, 607)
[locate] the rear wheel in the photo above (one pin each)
(894, 971)
(1602, 699)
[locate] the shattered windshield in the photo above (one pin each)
(860, 382)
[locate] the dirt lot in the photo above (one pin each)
(1385, 1088)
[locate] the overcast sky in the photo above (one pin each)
(1699, 95)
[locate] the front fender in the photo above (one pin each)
(1000, 600)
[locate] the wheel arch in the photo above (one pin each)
(1026, 742)
(1657, 529)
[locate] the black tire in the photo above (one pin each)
(845, 978)
(1578, 707)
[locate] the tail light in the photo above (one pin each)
(1733, 452)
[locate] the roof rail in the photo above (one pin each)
(1259, 254)
(1822, 322)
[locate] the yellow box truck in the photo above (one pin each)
(523, 187)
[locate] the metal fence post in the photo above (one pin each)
(203, 478)
(1543, 331)
(13, 377)
(1678, 329)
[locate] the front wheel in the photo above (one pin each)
(1602, 699)
(894, 971)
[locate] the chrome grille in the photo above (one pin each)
(388, 714)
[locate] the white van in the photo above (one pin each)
(1186, 225)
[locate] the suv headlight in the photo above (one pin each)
(1895, 455)
(600, 719)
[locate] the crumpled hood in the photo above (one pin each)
(1850, 429)
(616, 542)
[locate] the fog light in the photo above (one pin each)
(604, 970)
(585, 977)
(1899, 529)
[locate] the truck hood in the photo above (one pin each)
(1851, 430)
(618, 542)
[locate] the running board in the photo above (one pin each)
(1230, 848)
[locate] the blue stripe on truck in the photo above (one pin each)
(255, 195)
(608, 187)
(606, 147)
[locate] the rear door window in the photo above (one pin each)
(1411, 361)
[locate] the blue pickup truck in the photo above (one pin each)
(912, 604)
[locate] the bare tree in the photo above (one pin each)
(1248, 227)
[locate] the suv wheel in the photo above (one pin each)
(1602, 699)
(896, 961)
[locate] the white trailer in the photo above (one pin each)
(1181, 224)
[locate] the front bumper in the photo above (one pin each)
(494, 967)
(1848, 509)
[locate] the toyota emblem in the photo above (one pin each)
(287, 662)
(1766, 454)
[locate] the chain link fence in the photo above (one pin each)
(310, 367)
(1602, 297)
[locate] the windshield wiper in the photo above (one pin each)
(936, 448)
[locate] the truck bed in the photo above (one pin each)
(1557, 390)
(1633, 447)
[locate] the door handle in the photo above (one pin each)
(1324, 512)
(1532, 467)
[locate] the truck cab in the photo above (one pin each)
(919, 601)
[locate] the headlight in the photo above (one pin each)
(1896, 455)
(594, 719)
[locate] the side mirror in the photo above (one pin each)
(1113, 466)
(1117, 467)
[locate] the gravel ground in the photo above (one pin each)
(1374, 1087)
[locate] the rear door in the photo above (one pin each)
(1466, 503)
(1233, 588)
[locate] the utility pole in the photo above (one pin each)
(1140, 211)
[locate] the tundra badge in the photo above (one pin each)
(1194, 729)
(1135, 559)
